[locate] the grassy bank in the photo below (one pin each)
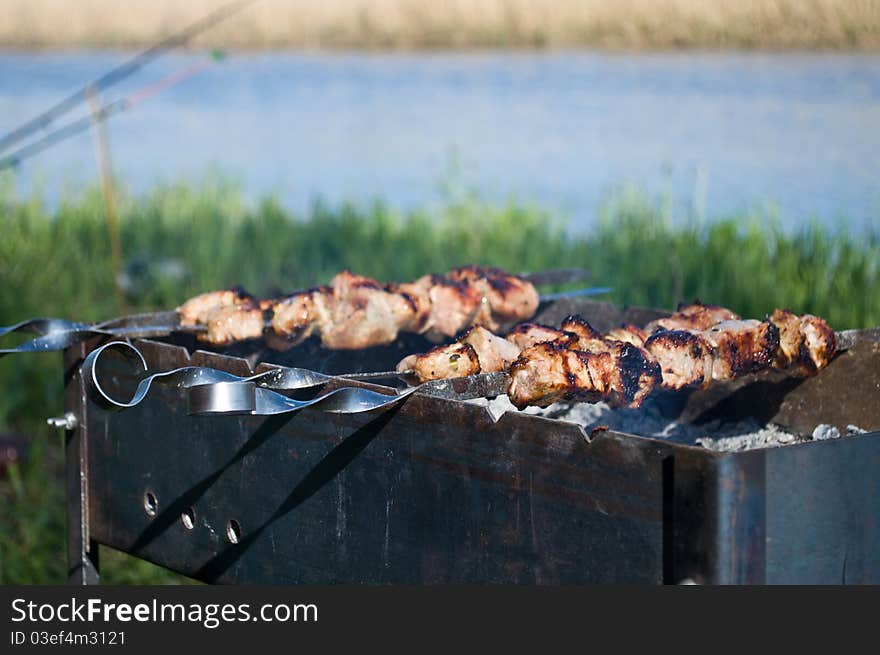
(179, 241)
(771, 24)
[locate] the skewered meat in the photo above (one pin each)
(196, 311)
(454, 305)
(297, 317)
(495, 353)
(578, 362)
(491, 354)
(358, 312)
(629, 334)
(694, 316)
(806, 343)
(526, 335)
(589, 339)
(449, 361)
(741, 347)
(549, 372)
(233, 323)
(510, 299)
(553, 365)
(417, 296)
(725, 351)
(363, 314)
(685, 358)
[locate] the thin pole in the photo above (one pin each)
(110, 109)
(44, 120)
(105, 173)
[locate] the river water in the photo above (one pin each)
(716, 133)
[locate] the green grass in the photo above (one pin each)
(57, 264)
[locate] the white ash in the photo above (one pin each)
(823, 432)
(649, 422)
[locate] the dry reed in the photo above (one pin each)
(409, 24)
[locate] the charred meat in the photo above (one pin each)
(741, 347)
(548, 372)
(629, 334)
(443, 362)
(685, 358)
(693, 316)
(806, 343)
(196, 311)
(526, 335)
(358, 312)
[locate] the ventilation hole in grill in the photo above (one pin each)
(188, 518)
(233, 531)
(151, 503)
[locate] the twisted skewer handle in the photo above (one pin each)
(211, 391)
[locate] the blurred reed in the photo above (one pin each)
(408, 24)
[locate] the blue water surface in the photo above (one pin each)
(718, 133)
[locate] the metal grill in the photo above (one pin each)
(433, 490)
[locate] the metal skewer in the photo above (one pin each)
(58, 334)
(211, 391)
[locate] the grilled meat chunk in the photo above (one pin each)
(820, 341)
(495, 354)
(233, 323)
(363, 315)
(548, 372)
(510, 298)
(589, 339)
(417, 313)
(196, 311)
(629, 334)
(806, 343)
(454, 305)
(526, 335)
(741, 347)
(297, 317)
(722, 352)
(685, 358)
(358, 312)
(694, 316)
(449, 361)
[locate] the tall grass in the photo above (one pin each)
(842, 24)
(181, 240)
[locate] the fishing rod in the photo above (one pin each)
(122, 71)
(110, 109)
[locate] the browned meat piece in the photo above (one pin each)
(741, 347)
(495, 353)
(297, 317)
(417, 296)
(362, 314)
(820, 341)
(629, 334)
(589, 339)
(526, 335)
(358, 312)
(685, 358)
(229, 324)
(790, 337)
(451, 361)
(195, 311)
(806, 343)
(510, 298)
(454, 306)
(695, 316)
(548, 372)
